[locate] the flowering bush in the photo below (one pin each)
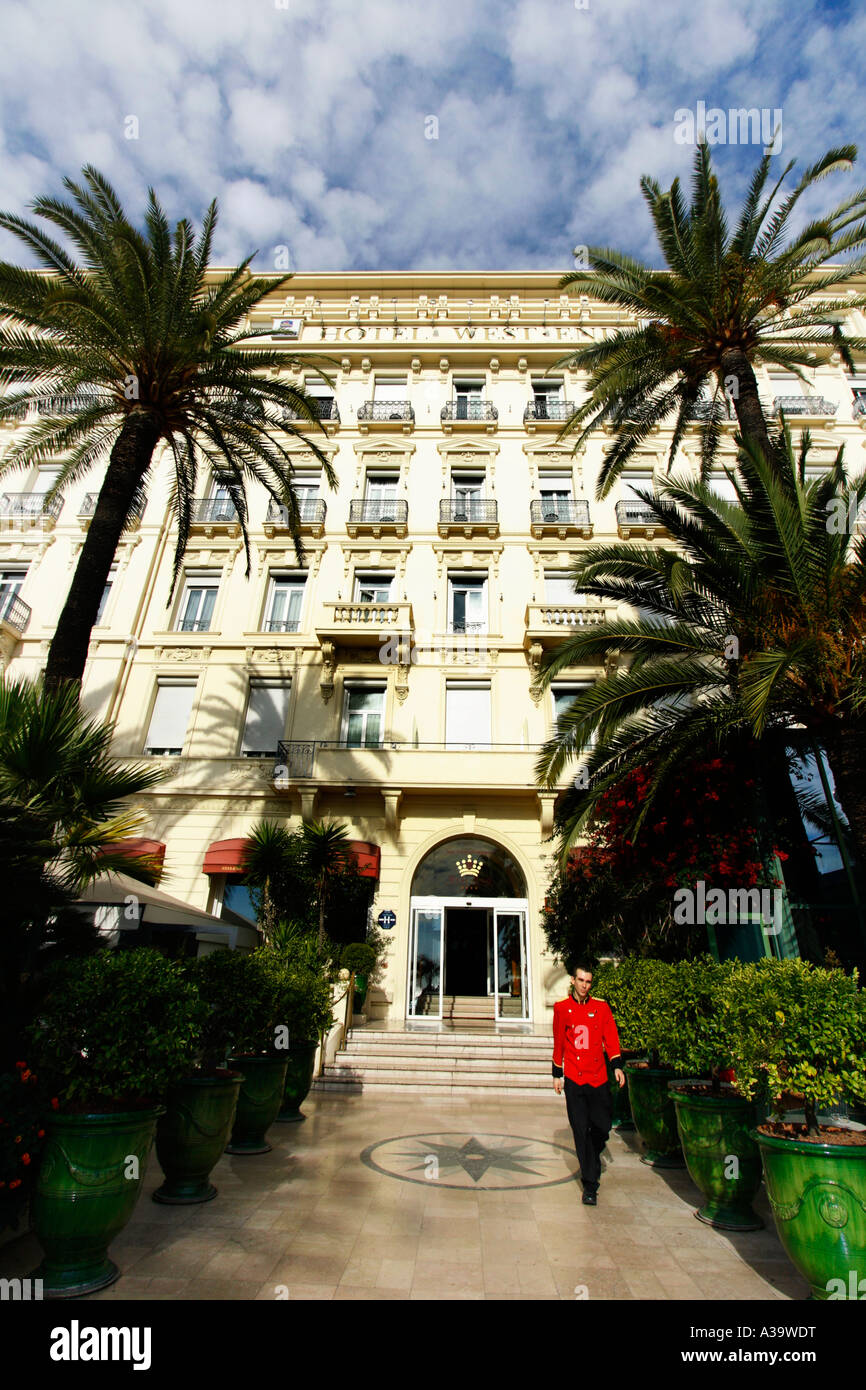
(24, 1111)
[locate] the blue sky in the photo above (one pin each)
(310, 120)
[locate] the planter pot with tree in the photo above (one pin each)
(308, 1012)
(801, 1030)
(714, 1121)
(114, 1032)
(360, 959)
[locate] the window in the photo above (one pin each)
(381, 497)
(723, 487)
(565, 695)
(306, 487)
(267, 714)
(197, 602)
(10, 584)
(634, 483)
(363, 715)
(559, 588)
(100, 613)
(556, 496)
(45, 478)
(467, 491)
(373, 588)
(170, 717)
(544, 391)
(467, 399)
(467, 603)
(284, 603)
(467, 714)
(220, 505)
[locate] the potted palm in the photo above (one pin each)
(800, 1030)
(714, 1120)
(360, 960)
(308, 1009)
(113, 1033)
(249, 998)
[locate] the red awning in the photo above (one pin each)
(225, 856)
(367, 858)
(139, 848)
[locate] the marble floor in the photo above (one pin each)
(390, 1197)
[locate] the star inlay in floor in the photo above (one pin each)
(475, 1161)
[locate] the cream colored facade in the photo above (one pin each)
(457, 510)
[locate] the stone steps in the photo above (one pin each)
(459, 1062)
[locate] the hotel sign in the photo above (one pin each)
(437, 334)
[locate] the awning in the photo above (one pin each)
(156, 907)
(145, 849)
(227, 857)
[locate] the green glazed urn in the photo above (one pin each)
(721, 1156)
(622, 1119)
(360, 993)
(259, 1101)
(86, 1191)
(299, 1079)
(654, 1116)
(817, 1195)
(192, 1134)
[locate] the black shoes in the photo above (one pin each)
(589, 1199)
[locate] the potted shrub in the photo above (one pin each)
(308, 1013)
(713, 1120)
(113, 1033)
(249, 999)
(638, 991)
(360, 960)
(604, 987)
(800, 1030)
(199, 1114)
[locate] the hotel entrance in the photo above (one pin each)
(466, 944)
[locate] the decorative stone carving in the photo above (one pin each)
(535, 655)
(329, 668)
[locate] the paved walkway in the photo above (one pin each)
(396, 1198)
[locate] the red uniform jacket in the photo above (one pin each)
(582, 1034)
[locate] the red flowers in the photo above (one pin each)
(55, 1103)
(25, 1159)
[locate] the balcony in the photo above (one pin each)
(469, 415)
(14, 614)
(365, 624)
(214, 516)
(311, 517)
(468, 516)
(386, 415)
(369, 516)
(547, 415)
(68, 405)
(637, 519)
(88, 507)
(701, 410)
(551, 623)
(858, 410)
(436, 766)
(560, 516)
(324, 408)
(23, 509)
(811, 408)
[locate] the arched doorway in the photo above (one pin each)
(468, 938)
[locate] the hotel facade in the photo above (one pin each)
(390, 682)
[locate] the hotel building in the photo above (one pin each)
(389, 682)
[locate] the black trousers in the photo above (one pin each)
(590, 1112)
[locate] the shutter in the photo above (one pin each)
(266, 718)
(467, 715)
(170, 718)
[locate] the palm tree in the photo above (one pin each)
(137, 346)
(725, 304)
(755, 625)
(275, 863)
(63, 822)
(327, 855)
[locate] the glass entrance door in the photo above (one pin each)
(425, 963)
(509, 965)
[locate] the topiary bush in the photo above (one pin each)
(359, 958)
(637, 991)
(117, 1029)
(263, 1002)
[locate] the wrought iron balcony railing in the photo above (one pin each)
(559, 411)
(636, 514)
(14, 612)
(88, 507)
(68, 405)
(465, 409)
(480, 511)
(193, 625)
(311, 512)
(859, 407)
(213, 509)
(325, 407)
(386, 410)
(804, 405)
(27, 506)
(701, 410)
(373, 512)
(296, 758)
(566, 511)
(281, 625)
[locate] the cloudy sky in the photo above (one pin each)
(368, 134)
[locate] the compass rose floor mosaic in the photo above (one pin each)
(408, 1198)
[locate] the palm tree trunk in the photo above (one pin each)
(128, 463)
(741, 385)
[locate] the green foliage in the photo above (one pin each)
(308, 877)
(359, 958)
(117, 1028)
(699, 1039)
(635, 991)
(24, 1111)
(255, 1000)
(801, 1029)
